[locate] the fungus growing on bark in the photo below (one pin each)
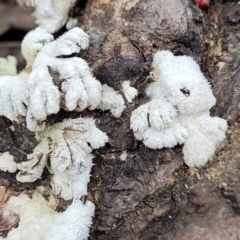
(13, 90)
(178, 110)
(76, 85)
(112, 100)
(68, 145)
(50, 82)
(13, 97)
(50, 14)
(7, 163)
(14, 93)
(38, 218)
(74, 89)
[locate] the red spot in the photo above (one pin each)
(202, 3)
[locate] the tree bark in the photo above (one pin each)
(152, 194)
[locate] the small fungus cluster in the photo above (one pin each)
(178, 110)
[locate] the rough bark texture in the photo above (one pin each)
(152, 194)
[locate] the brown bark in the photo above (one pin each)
(152, 194)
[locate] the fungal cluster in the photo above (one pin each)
(54, 80)
(67, 146)
(64, 148)
(38, 94)
(178, 110)
(7, 163)
(177, 113)
(40, 220)
(50, 14)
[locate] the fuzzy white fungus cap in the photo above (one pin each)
(73, 224)
(38, 218)
(168, 137)
(50, 14)
(74, 89)
(182, 82)
(158, 114)
(13, 97)
(130, 92)
(33, 43)
(32, 169)
(205, 133)
(178, 110)
(69, 186)
(7, 163)
(112, 100)
(36, 215)
(14, 90)
(68, 145)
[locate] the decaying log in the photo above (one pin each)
(151, 194)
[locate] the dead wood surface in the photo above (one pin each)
(152, 194)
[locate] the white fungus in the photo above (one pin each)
(68, 145)
(50, 82)
(75, 84)
(50, 14)
(39, 220)
(178, 110)
(13, 96)
(7, 163)
(112, 100)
